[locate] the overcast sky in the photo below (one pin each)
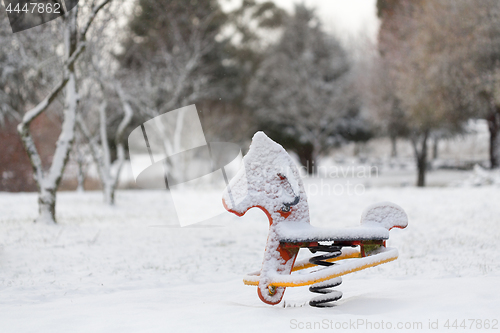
(346, 18)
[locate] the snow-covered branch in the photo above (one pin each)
(41, 107)
(74, 43)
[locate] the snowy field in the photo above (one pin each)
(129, 268)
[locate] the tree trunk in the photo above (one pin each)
(109, 193)
(420, 149)
(494, 127)
(46, 206)
(394, 147)
(307, 158)
(80, 177)
(106, 171)
(48, 183)
(48, 186)
(435, 146)
(421, 166)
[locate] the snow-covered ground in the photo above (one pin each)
(129, 268)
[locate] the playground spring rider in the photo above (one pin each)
(270, 181)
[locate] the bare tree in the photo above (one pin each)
(475, 50)
(413, 45)
(445, 58)
(175, 76)
(106, 112)
(74, 43)
(380, 95)
(175, 61)
(99, 144)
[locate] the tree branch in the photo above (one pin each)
(92, 144)
(42, 106)
(93, 14)
(127, 109)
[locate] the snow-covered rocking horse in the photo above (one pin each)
(269, 180)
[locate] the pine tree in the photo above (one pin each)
(302, 93)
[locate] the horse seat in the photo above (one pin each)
(294, 232)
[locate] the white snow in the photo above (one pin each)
(479, 177)
(385, 214)
(304, 232)
(262, 181)
(130, 269)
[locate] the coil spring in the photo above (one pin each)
(334, 251)
(328, 295)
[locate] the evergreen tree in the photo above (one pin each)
(302, 93)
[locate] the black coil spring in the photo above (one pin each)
(333, 252)
(328, 295)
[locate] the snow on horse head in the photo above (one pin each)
(269, 180)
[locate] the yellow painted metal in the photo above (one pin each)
(305, 282)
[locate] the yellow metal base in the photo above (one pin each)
(305, 280)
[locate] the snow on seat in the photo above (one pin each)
(376, 221)
(304, 232)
